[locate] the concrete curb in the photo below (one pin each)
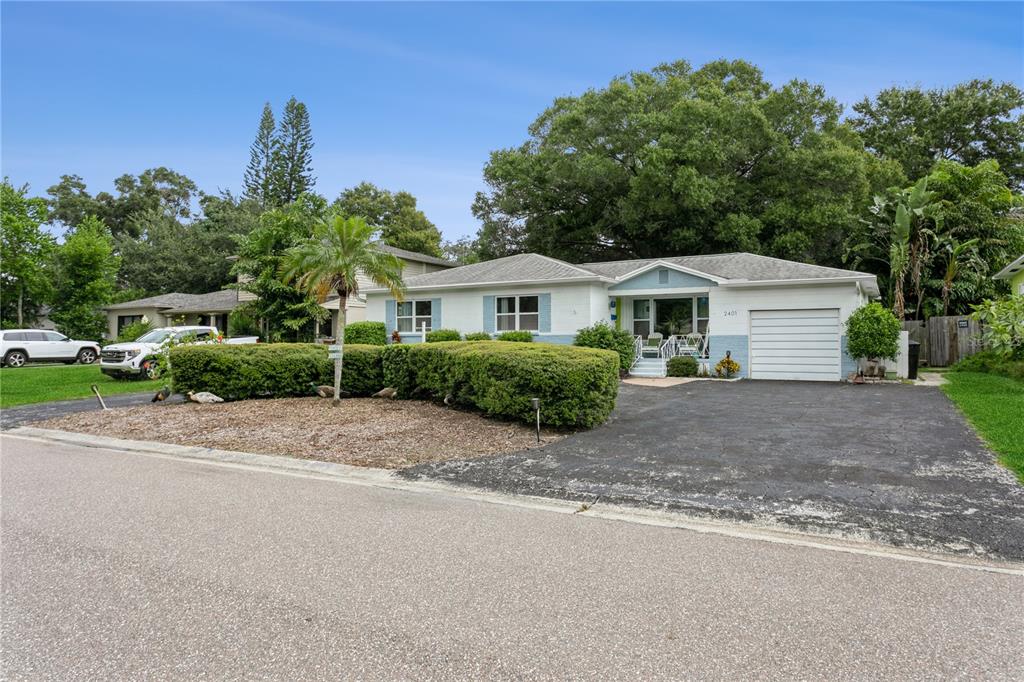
(382, 478)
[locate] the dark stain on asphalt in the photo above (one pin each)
(890, 463)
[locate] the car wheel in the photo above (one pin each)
(151, 369)
(87, 356)
(15, 358)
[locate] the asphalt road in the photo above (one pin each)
(118, 565)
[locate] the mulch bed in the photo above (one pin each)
(390, 434)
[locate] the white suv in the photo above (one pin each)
(18, 346)
(141, 357)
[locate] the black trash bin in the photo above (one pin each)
(913, 359)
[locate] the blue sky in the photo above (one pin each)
(416, 96)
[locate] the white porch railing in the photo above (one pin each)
(638, 349)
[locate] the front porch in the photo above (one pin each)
(666, 325)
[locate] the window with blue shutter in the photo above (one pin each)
(545, 313)
(435, 313)
(489, 314)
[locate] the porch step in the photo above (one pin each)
(649, 367)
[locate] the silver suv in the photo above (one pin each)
(19, 346)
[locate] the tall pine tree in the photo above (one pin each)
(259, 175)
(293, 156)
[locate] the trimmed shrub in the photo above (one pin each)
(992, 362)
(132, 331)
(519, 336)
(439, 335)
(478, 336)
(367, 333)
(872, 331)
(682, 366)
(274, 370)
(576, 386)
(603, 335)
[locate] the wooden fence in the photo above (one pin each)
(945, 340)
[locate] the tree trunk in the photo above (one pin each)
(339, 341)
(21, 296)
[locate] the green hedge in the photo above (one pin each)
(438, 335)
(274, 370)
(992, 362)
(369, 333)
(682, 366)
(603, 335)
(518, 336)
(576, 386)
(478, 336)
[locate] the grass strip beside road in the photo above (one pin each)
(994, 405)
(47, 383)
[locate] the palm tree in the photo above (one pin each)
(339, 250)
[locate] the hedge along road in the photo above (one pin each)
(576, 386)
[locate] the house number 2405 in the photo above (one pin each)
(729, 313)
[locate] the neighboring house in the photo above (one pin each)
(1014, 272)
(213, 308)
(779, 319)
(168, 309)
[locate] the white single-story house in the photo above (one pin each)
(778, 319)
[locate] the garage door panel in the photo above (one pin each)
(800, 345)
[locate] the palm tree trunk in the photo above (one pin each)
(339, 341)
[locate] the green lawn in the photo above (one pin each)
(995, 406)
(45, 383)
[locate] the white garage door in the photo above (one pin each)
(795, 344)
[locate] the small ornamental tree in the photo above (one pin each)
(872, 331)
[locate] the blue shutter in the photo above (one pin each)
(544, 303)
(390, 315)
(489, 314)
(435, 313)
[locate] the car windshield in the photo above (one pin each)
(155, 336)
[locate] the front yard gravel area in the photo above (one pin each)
(390, 434)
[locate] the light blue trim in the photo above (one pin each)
(544, 304)
(739, 345)
(489, 314)
(847, 363)
(412, 337)
(564, 339)
(435, 313)
(649, 280)
(390, 316)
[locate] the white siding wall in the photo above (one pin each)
(730, 307)
(572, 305)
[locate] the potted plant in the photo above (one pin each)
(873, 334)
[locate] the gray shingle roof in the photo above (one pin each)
(741, 266)
(213, 302)
(525, 267)
(179, 304)
(531, 267)
(161, 301)
(412, 255)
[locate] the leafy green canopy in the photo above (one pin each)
(401, 224)
(972, 122)
(86, 272)
(25, 253)
(682, 161)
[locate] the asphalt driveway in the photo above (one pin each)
(889, 463)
